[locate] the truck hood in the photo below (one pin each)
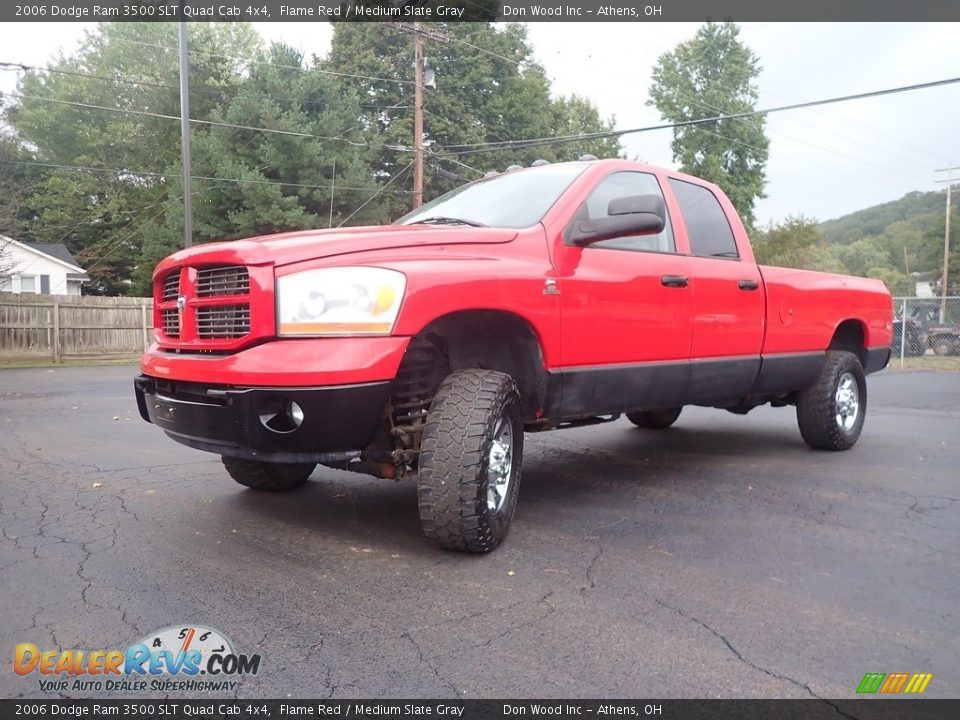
(287, 248)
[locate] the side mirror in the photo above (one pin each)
(628, 216)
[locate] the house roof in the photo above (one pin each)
(55, 250)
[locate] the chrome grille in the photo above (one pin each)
(228, 321)
(171, 322)
(171, 286)
(230, 280)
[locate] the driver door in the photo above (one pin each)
(625, 308)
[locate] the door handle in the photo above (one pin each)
(677, 281)
(748, 284)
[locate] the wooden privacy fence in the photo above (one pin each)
(68, 327)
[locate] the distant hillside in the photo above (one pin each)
(923, 211)
(892, 242)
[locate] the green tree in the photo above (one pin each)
(953, 272)
(103, 123)
(576, 115)
(17, 180)
(797, 242)
(280, 182)
(896, 281)
(711, 75)
(102, 212)
(860, 256)
(489, 90)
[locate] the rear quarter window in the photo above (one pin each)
(707, 226)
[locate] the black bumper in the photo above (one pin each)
(253, 422)
(877, 359)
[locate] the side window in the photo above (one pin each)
(28, 284)
(707, 227)
(619, 185)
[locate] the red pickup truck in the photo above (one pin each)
(541, 298)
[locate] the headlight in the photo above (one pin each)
(339, 301)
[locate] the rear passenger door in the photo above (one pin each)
(728, 300)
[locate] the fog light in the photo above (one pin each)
(295, 413)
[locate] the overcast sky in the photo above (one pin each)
(824, 162)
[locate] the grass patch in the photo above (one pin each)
(942, 363)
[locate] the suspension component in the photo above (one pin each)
(394, 449)
(423, 368)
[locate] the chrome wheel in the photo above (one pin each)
(500, 465)
(847, 402)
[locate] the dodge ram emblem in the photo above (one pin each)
(181, 303)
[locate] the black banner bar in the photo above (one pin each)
(644, 11)
(866, 709)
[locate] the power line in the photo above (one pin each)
(457, 162)
(355, 76)
(148, 173)
(560, 139)
(702, 103)
(116, 242)
(15, 66)
(163, 116)
(382, 189)
(834, 117)
(453, 38)
(513, 61)
(91, 218)
(458, 126)
(274, 65)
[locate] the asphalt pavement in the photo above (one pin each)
(721, 558)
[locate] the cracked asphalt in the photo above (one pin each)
(722, 558)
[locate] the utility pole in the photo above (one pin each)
(418, 117)
(946, 243)
(418, 32)
(185, 134)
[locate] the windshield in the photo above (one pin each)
(517, 199)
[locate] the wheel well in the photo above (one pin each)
(849, 336)
(494, 340)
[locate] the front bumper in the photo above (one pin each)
(249, 422)
(305, 362)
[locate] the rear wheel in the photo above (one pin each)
(469, 462)
(267, 476)
(831, 412)
(655, 419)
(945, 346)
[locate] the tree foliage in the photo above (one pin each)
(902, 235)
(797, 242)
(489, 90)
(103, 213)
(910, 245)
(711, 75)
(344, 123)
(17, 179)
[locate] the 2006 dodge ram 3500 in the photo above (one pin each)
(541, 298)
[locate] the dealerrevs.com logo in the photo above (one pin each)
(190, 658)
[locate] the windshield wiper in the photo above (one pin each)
(439, 220)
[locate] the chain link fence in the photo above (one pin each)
(926, 333)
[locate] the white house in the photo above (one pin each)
(44, 268)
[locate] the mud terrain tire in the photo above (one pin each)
(267, 476)
(470, 458)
